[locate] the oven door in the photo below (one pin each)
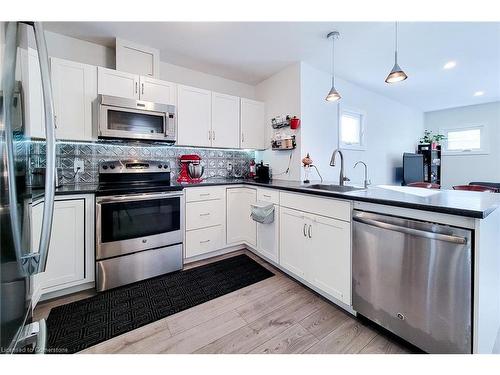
(131, 123)
(130, 223)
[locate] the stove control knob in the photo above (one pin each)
(159, 165)
(104, 167)
(112, 166)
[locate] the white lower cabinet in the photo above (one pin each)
(205, 240)
(205, 220)
(330, 257)
(71, 252)
(240, 226)
(293, 241)
(317, 249)
(268, 234)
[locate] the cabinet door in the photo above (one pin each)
(225, 120)
(268, 237)
(116, 83)
(33, 99)
(293, 241)
(194, 116)
(252, 124)
(66, 260)
(330, 257)
(74, 87)
(158, 91)
(240, 226)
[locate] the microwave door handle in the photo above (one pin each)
(48, 103)
(8, 84)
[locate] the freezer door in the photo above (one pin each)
(414, 279)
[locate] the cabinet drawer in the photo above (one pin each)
(201, 241)
(268, 195)
(195, 194)
(329, 207)
(204, 214)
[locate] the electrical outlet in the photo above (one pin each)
(78, 166)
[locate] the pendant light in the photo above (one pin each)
(396, 74)
(333, 95)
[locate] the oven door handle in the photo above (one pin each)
(136, 197)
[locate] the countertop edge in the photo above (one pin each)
(91, 189)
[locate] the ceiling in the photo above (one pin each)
(253, 51)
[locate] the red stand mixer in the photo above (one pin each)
(191, 170)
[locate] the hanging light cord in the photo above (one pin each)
(396, 42)
(333, 60)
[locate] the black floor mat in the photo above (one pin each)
(79, 325)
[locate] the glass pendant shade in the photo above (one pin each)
(333, 95)
(396, 74)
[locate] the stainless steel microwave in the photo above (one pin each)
(136, 119)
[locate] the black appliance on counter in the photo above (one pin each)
(262, 172)
(139, 222)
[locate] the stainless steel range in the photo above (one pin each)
(139, 222)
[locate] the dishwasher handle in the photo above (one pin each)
(411, 231)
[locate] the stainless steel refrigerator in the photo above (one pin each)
(19, 261)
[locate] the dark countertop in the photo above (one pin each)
(461, 203)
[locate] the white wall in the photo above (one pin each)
(462, 169)
(74, 49)
(391, 128)
(281, 93)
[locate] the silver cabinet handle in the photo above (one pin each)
(265, 195)
(209, 135)
(242, 137)
(204, 194)
(411, 231)
(205, 214)
(136, 87)
(304, 230)
(309, 231)
(213, 135)
(206, 241)
(142, 88)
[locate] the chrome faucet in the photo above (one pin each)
(367, 181)
(342, 178)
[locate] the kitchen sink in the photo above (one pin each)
(334, 188)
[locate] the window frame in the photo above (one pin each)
(362, 114)
(483, 150)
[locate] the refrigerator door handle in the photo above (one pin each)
(48, 102)
(8, 82)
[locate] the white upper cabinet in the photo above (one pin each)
(158, 91)
(240, 226)
(252, 124)
(136, 58)
(225, 120)
(74, 87)
(194, 116)
(32, 85)
(117, 83)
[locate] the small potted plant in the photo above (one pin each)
(432, 139)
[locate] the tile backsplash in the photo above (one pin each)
(215, 161)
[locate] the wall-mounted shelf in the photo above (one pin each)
(284, 144)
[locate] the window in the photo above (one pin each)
(463, 140)
(351, 130)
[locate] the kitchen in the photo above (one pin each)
(174, 205)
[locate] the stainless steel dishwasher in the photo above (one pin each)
(414, 278)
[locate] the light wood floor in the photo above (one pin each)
(277, 315)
